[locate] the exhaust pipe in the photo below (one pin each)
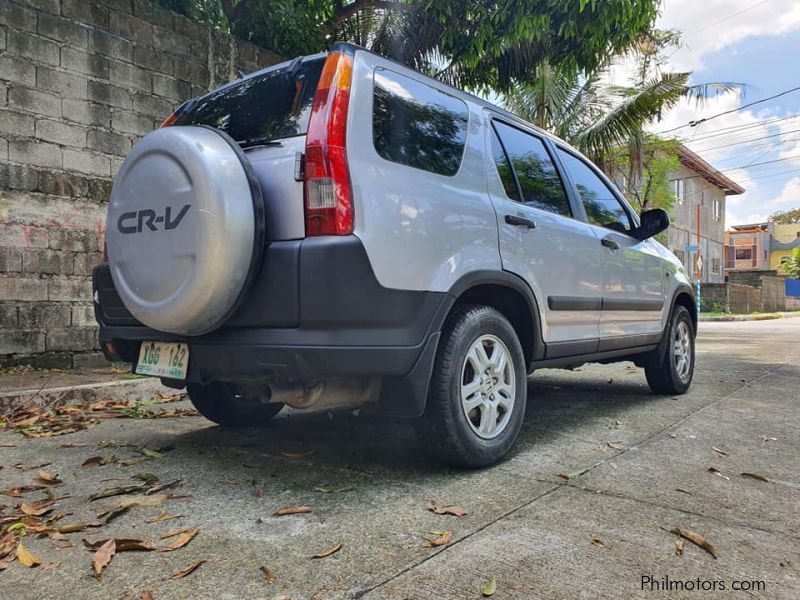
(326, 393)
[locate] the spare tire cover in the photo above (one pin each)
(184, 222)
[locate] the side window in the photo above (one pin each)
(416, 125)
(602, 207)
(504, 168)
(539, 182)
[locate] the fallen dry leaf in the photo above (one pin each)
(187, 571)
(683, 491)
(183, 539)
(174, 532)
(456, 511)
(98, 461)
(490, 588)
(722, 452)
(147, 595)
(718, 473)
(7, 544)
(298, 454)
(163, 486)
(163, 517)
(103, 556)
(25, 557)
(598, 543)
(679, 546)
(121, 545)
(269, 575)
(38, 508)
(441, 540)
(118, 491)
(51, 566)
(328, 551)
(47, 478)
(696, 539)
(125, 505)
(754, 476)
(74, 527)
(574, 474)
(327, 490)
(292, 510)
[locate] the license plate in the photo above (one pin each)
(161, 359)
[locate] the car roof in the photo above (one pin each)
(456, 91)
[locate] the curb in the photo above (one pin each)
(768, 317)
(130, 389)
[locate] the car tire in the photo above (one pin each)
(219, 402)
(474, 414)
(674, 374)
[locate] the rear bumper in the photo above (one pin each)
(315, 310)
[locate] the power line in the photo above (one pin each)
(766, 162)
(772, 135)
(728, 18)
(736, 129)
(727, 112)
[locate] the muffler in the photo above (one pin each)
(326, 393)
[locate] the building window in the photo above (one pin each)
(798, 234)
(679, 189)
(715, 265)
(717, 209)
(744, 254)
(680, 256)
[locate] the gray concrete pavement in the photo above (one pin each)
(527, 526)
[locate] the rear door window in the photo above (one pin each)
(538, 178)
(416, 125)
(273, 105)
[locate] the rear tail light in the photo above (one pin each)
(328, 197)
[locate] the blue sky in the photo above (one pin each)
(756, 43)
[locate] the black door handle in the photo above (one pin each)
(520, 221)
(609, 243)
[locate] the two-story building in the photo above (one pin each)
(698, 215)
(785, 238)
(747, 247)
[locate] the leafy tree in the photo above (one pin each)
(791, 266)
(471, 43)
(789, 217)
(606, 122)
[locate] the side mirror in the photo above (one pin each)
(653, 221)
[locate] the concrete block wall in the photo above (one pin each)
(80, 82)
(769, 296)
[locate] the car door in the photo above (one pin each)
(541, 241)
(633, 277)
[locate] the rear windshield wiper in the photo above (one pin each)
(253, 142)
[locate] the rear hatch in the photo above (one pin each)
(267, 113)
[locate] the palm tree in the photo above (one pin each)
(606, 122)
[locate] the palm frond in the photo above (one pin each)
(628, 117)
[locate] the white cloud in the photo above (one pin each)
(790, 194)
(704, 31)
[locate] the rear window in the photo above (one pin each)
(274, 105)
(415, 124)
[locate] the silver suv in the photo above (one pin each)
(340, 229)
